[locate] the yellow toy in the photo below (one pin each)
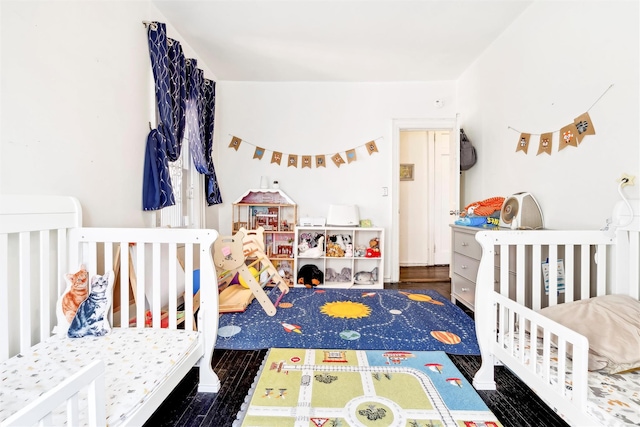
(255, 273)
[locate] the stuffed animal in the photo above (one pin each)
(334, 250)
(360, 251)
(315, 252)
(345, 275)
(310, 276)
(373, 251)
(366, 277)
(348, 252)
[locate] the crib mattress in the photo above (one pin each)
(136, 361)
(613, 399)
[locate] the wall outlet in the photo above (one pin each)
(626, 179)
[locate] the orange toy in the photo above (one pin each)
(486, 207)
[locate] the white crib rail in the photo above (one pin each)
(595, 263)
(40, 411)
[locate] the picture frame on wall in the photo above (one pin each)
(406, 172)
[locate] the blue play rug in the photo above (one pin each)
(410, 320)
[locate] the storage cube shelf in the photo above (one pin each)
(334, 251)
(277, 214)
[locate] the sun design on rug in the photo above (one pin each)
(346, 309)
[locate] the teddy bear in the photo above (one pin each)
(334, 250)
(373, 251)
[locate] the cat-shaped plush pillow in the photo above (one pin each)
(76, 291)
(92, 315)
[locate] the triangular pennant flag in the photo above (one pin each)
(276, 157)
(371, 147)
(545, 143)
(235, 143)
(523, 143)
(292, 160)
(258, 153)
(568, 136)
(584, 126)
(320, 161)
(306, 162)
(351, 155)
(337, 159)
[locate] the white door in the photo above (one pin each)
(446, 125)
(440, 195)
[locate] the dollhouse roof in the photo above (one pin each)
(266, 195)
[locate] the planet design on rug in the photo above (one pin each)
(395, 311)
(349, 335)
(421, 297)
(285, 305)
(228, 331)
(446, 337)
(346, 309)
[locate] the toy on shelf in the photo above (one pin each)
(310, 276)
(373, 251)
(230, 256)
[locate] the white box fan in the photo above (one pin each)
(521, 211)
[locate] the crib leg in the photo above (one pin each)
(484, 378)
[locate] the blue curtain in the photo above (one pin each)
(200, 123)
(181, 91)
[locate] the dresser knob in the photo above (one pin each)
(464, 289)
(465, 244)
(464, 267)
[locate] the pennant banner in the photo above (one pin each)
(584, 126)
(570, 135)
(235, 143)
(276, 157)
(523, 144)
(337, 159)
(258, 153)
(545, 143)
(307, 161)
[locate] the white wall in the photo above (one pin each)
(547, 68)
(76, 102)
(318, 118)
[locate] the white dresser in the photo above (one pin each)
(465, 260)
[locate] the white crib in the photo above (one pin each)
(83, 381)
(549, 357)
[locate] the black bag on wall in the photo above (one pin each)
(468, 156)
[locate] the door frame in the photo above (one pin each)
(424, 124)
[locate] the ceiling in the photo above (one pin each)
(339, 40)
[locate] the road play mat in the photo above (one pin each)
(315, 387)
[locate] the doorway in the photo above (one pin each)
(424, 198)
(448, 169)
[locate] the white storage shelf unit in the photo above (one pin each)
(340, 271)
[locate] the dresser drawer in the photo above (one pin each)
(465, 266)
(466, 244)
(463, 290)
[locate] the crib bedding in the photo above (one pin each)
(136, 361)
(613, 399)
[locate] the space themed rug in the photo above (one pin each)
(313, 387)
(416, 320)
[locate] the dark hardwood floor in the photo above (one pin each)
(513, 403)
